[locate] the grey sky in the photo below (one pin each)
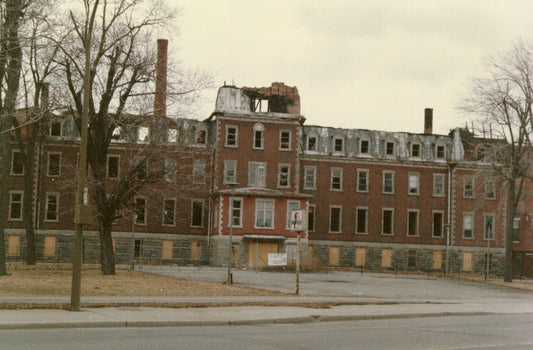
(357, 64)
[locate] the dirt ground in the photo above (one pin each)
(56, 279)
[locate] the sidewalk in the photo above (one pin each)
(242, 315)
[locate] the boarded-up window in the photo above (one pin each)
(310, 252)
(467, 261)
(411, 258)
(13, 245)
(196, 251)
(49, 246)
(360, 256)
(334, 255)
(437, 260)
(386, 258)
(167, 250)
(113, 243)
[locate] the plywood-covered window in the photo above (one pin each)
(386, 258)
(360, 257)
(467, 261)
(49, 246)
(167, 250)
(334, 256)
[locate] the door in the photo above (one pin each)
(258, 253)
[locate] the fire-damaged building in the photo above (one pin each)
(373, 199)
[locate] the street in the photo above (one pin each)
(441, 333)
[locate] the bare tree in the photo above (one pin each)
(11, 13)
(503, 98)
(123, 61)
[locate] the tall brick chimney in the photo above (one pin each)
(428, 121)
(157, 129)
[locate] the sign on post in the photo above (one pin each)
(297, 220)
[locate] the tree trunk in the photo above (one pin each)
(107, 256)
(4, 157)
(29, 175)
(508, 261)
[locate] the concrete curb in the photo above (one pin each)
(287, 320)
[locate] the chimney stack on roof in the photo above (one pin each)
(160, 99)
(428, 121)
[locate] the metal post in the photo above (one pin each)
(446, 261)
(297, 292)
(229, 278)
(487, 271)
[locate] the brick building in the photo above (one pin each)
(374, 199)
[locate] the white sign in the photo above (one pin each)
(275, 259)
(297, 220)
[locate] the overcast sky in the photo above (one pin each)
(357, 64)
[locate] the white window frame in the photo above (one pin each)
(233, 210)
(12, 172)
(472, 216)
(143, 134)
(312, 170)
(258, 129)
(172, 135)
(230, 166)
(109, 156)
(173, 212)
(46, 211)
(485, 236)
(417, 228)
(11, 202)
(412, 150)
(285, 146)
(291, 206)
(442, 186)
(201, 202)
(254, 168)
(312, 209)
(516, 226)
(413, 183)
(367, 140)
(357, 209)
(52, 122)
(137, 222)
(58, 164)
(466, 180)
(340, 218)
(315, 148)
(198, 171)
(332, 173)
(387, 172)
(383, 221)
(387, 142)
(441, 212)
(265, 210)
(288, 166)
(335, 144)
(226, 136)
(366, 178)
(437, 151)
(198, 137)
(489, 182)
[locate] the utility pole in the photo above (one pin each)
(83, 212)
(229, 278)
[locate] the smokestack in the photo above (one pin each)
(428, 121)
(160, 99)
(45, 88)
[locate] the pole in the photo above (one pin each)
(446, 261)
(229, 278)
(297, 292)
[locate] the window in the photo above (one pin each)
(412, 222)
(468, 225)
(338, 144)
(143, 133)
(17, 163)
(336, 179)
(335, 219)
(140, 211)
(311, 218)
(284, 175)
(362, 180)
(170, 170)
(198, 171)
(488, 227)
(112, 166)
(490, 192)
(311, 143)
(516, 229)
(415, 150)
(438, 185)
(54, 164)
(389, 148)
(440, 152)
(309, 178)
(264, 213)
(51, 207)
(230, 171)
(364, 146)
(257, 174)
(236, 212)
(438, 224)
(232, 133)
(414, 183)
(258, 136)
(55, 128)
(201, 137)
(169, 210)
(468, 187)
(411, 258)
(197, 213)
(172, 135)
(388, 181)
(387, 219)
(15, 205)
(361, 220)
(291, 206)
(285, 140)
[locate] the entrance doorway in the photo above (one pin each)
(258, 253)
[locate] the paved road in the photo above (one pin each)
(451, 333)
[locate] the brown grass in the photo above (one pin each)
(56, 279)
